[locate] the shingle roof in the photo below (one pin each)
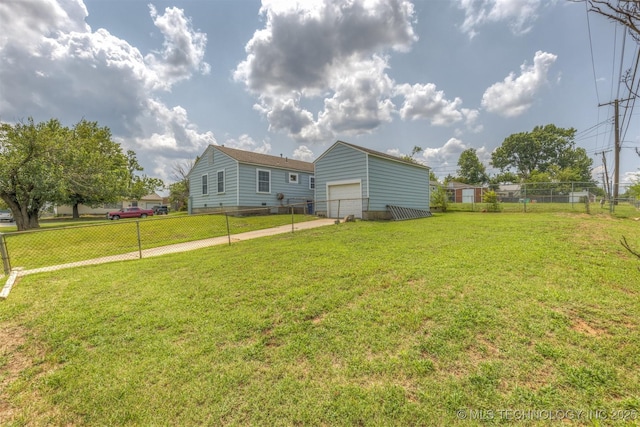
(265, 159)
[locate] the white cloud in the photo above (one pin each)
(361, 98)
(446, 155)
(514, 95)
(444, 160)
(48, 50)
(303, 153)
(183, 48)
(245, 142)
(326, 49)
(302, 42)
(520, 14)
(424, 101)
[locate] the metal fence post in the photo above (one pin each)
(226, 217)
(338, 208)
(6, 264)
(139, 241)
(292, 219)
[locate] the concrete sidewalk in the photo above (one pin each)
(186, 246)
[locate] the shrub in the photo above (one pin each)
(491, 199)
(439, 199)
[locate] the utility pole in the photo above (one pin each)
(605, 176)
(605, 180)
(617, 147)
(616, 153)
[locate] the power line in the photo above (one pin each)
(593, 66)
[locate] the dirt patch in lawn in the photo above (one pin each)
(13, 360)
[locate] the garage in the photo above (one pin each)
(344, 199)
(468, 195)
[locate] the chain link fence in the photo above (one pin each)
(125, 239)
(546, 197)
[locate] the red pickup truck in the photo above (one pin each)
(130, 213)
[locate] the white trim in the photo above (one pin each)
(258, 181)
(344, 181)
(366, 189)
(296, 181)
(356, 148)
(201, 183)
(237, 183)
(224, 181)
(312, 178)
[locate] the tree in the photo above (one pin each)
(31, 173)
(432, 176)
(179, 190)
(624, 12)
(415, 150)
(471, 171)
(139, 186)
(95, 167)
(540, 150)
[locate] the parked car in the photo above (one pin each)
(130, 213)
(6, 215)
(161, 210)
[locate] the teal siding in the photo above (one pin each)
(339, 163)
(211, 165)
(394, 183)
(383, 181)
(294, 192)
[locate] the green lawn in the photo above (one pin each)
(421, 322)
(64, 241)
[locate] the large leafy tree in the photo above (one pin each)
(31, 173)
(96, 170)
(138, 186)
(470, 169)
(542, 150)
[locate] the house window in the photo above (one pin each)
(312, 182)
(221, 181)
(205, 184)
(134, 204)
(293, 178)
(264, 181)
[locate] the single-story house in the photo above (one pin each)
(353, 180)
(579, 196)
(459, 192)
(227, 179)
(146, 202)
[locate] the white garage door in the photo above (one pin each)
(345, 199)
(468, 195)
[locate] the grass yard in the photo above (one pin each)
(70, 242)
(436, 322)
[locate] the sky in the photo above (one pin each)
(286, 77)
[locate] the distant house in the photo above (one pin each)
(353, 180)
(459, 192)
(146, 202)
(509, 193)
(226, 178)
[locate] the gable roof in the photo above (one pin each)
(258, 159)
(455, 185)
(374, 153)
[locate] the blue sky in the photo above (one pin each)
(285, 77)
